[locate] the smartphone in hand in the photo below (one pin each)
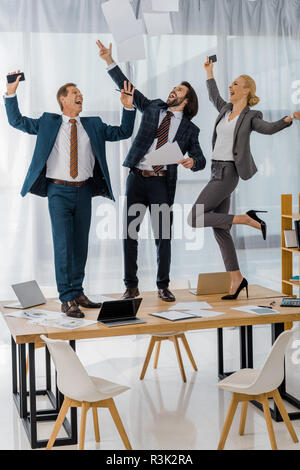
(212, 58)
(12, 78)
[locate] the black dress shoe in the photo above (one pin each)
(243, 285)
(83, 301)
(263, 224)
(166, 295)
(130, 293)
(71, 309)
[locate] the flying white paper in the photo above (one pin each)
(121, 20)
(158, 23)
(131, 49)
(168, 154)
(165, 5)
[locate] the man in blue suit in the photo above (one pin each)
(69, 167)
(162, 122)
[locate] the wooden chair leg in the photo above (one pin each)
(228, 422)
(96, 424)
(179, 358)
(158, 344)
(269, 422)
(59, 421)
(188, 350)
(84, 410)
(284, 414)
(119, 425)
(147, 358)
(243, 418)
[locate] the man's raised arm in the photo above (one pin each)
(15, 118)
(139, 100)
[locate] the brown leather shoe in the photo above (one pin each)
(83, 301)
(130, 293)
(71, 309)
(166, 295)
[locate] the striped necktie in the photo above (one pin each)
(162, 135)
(73, 150)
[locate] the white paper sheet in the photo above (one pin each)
(249, 309)
(64, 322)
(168, 154)
(35, 314)
(191, 306)
(121, 20)
(158, 23)
(131, 49)
(173, 315)
(165, 5)
(208, 313)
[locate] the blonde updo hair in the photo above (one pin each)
(250, 83)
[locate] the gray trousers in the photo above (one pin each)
(212, 207)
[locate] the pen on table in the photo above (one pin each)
(265, 306)
(129, 94)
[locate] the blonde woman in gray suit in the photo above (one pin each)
(232, 160)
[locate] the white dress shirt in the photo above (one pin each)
(174, 125)
(224, 143)
(58, 163)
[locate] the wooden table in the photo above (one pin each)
(27, 336)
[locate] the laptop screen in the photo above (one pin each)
(118, 309)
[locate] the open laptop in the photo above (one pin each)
(120, 312)
(212, 283)
(29, 295)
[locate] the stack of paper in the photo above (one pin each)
(126, 29)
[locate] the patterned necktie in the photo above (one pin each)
(162, 135)
(73, 150)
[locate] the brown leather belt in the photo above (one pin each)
(77, 184)
(148, 173)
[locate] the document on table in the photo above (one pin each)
(191, 306)
(34, 314)
(256, 309)
(168, 154)
(64, 322)
(173, 315)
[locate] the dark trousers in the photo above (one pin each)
(70, 214)
(215, 198)
(142, 193)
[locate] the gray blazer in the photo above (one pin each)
(249, 120)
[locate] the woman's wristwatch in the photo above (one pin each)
(292, 116)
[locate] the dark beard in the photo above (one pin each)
(175, 102)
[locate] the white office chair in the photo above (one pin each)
(259, 385)
(170, 336)
(82, 390)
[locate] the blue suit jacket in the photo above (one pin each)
(46, 128)
(186, 136)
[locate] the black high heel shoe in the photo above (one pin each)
(263, 224)
(243, 285)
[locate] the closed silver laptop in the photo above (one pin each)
(29, 295)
